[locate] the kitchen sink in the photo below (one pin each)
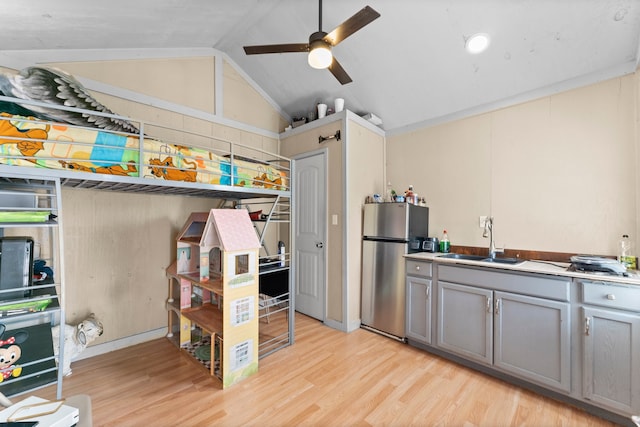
(464, 257)
(511, 261)
(482, 258)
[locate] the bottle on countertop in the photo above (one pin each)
(391, 193)
(626, 253)
(445, 245)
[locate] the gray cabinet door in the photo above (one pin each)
(532, 339)
(611, 363)
(465, 321)
(419, 309)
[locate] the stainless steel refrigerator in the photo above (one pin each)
(390, 230)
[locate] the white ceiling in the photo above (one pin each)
(409, 66)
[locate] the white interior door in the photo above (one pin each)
(310, 234)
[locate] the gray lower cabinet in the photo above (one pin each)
(611, 346)
(523, 335)
(465, 321)
(418, 301)
(524, 324)
(532, 339)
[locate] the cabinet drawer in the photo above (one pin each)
(610, 295)
(419, 268)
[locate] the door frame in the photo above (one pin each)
(324, 152)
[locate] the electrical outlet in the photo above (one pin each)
(483, 221)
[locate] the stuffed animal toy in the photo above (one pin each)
(76, 339)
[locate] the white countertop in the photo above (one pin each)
(533, 266)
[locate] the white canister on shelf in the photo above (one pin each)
(322, 110)
(339, 104)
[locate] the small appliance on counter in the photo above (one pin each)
(430, 244)
(415, 244)
(596, 264)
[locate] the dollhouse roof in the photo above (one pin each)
(231, 230)
(193, 228)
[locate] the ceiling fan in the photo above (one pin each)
(320, 43)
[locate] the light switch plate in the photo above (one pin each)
(334, 219)
(483, 221)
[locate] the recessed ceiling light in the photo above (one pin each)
(477, 43)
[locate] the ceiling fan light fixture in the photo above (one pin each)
(320, 56)
(477, 43)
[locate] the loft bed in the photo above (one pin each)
(99, 159)
(93, 148)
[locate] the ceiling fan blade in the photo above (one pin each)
(276, 48)
(339, 72)
(351, 25)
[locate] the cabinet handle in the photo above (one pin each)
(611, 297)
(497, 311)
(417, 268)
(587, 325)
(428, 291)
(488, 304)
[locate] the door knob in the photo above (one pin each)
(319, 245)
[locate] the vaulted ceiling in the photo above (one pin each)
(409, 67)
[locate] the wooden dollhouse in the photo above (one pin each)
(216, 269)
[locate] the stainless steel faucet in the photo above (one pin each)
(488, 232)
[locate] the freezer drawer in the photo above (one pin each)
(388, 220)
(395, 221)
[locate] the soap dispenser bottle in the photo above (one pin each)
(445, 246)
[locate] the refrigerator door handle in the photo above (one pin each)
(319, 245)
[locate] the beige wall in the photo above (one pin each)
(557, 173)
(243, 103)
(365, 175)
(183, 81)
(117, 245)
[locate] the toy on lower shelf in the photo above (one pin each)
(10, 309)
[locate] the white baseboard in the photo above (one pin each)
(107, 347)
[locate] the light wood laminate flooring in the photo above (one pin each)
(327, 378)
